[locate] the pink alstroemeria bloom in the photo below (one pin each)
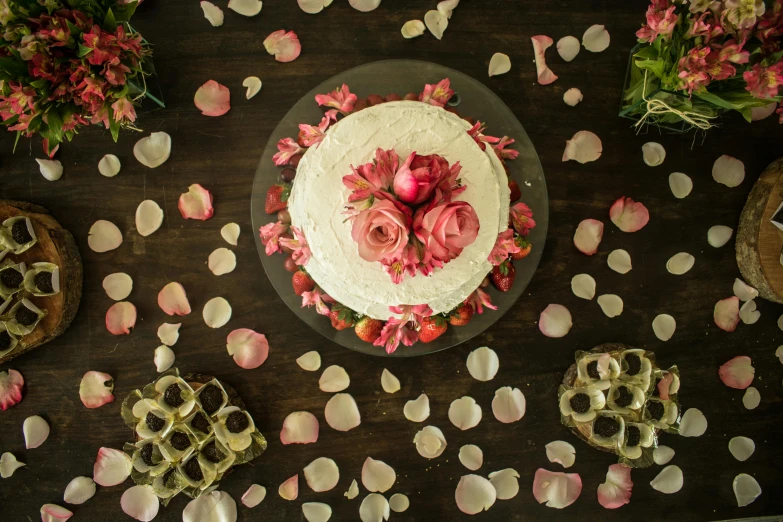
(521, 218)
(743, 14)
(659, 23)
(437, 94)
(501, 150)
(447, 229)
(287, 148)
(316, 298)
(764, 82)
(476, 132)
(398, 266)
(270, 236)
(301, 251)
(386, 165)
(694, 80)
(115, 73)
(403, 329)
(102, 46)
(123, 110)
(504, 247)
(733, 52)
(719, 70)
(698, 27)
(341, 99)
(478, 300)
(314, 135)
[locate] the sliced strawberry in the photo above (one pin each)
(277, 198)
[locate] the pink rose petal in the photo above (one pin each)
(616, 491)
(104, 236)
(140, 502)
(726, 313)
(112, 467)
(96, 389)
(377, 476)
(555, 321)
(583, 147)
(54, 513)
(299, 427)
(557, 489)
(737, 373)
(254, 495)
(342, 413)
(540, 44)
(561, 452)
(215, 506)
(322, 474)
(365, 6)
(289, 489)
(596, 38)
(196, 203)
(588, 236)
(249, 349)
(11, 383)
(283, 45)
(213, 99)
(508, 405)
(629, 215)
(474, 494)
(120, 318)
(36, 431)
(568, 47)
(173, 301)
(728, 171)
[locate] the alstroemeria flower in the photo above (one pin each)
(476, 132)
(301, 252)
(397, 266)
(521, 218)
(270, 236)
(479, 299)
(743, 14)
(659, 23)
(698, 27)
(403, 329)
(437, 94)
(287, 148)
(501, 150)
(694, 80)
(733, 52)
(311, 135)
(504, 247)
(341, 99)
(764, 83)
(123, 110)
(316, 298)
(719, 70)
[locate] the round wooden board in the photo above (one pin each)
(759, 242)
(55, 245)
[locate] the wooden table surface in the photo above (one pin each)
(222, 153)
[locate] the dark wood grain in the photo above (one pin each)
(221, 154)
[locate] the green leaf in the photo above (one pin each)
(13, 67)
(35, 123)
(109, 23)
(114, 126)
(55, 123)
(123, 13)
(38, 84)
(76, 33)
(83, 51)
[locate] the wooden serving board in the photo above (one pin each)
(759, 242)
(55, 245)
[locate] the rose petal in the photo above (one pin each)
(248, 348)
(436, 22)
(728, 171)
(212, 13)
(412, 29)
(629, 215)
(289, 489)
(751, 399)
(217, 312)
(215, 506)
(719, 235)
(377, 476)
(140, 502)
(430, 442)
(313, 6)
(154, 150)
(471, 457)
(121, 318)
(619, 261)
(285, 46)
(311, 361)
(389, 382)
(212, 98)
(583, 147)
(508, 405)
(557, 489)
(596, 38)
(54, 513)
(663, 455)
(663, 326)
(253, 85)
(555, 321)
(222, 261)
(109, 165)
(245, 7)
(417, 410)
(254, 495)
(741, 448)
(669, 480)
(505, 482)
(760, 113)
(79, 490)
(196, 203)
(168, 333)
(399, 503)
(726, 313)
(483, 364)
(52, 170)
(474, 494)
(316, 511)
(561, 452)
(299, 427)
(693, 423)
(118, 286)
(738, 372)
(748, 313)
(568, 47)
(447, 7)
(365, 6)
(588, 236)
(744, 291)
(149, 217)
(163, 358)
(680, 184)
(746, 489)
(353, 491)
(230, 232)
(11, 383)
(96, 389)
(653, 154)
(583, 286)
(544, 74)
(611, 305)
(334, 379)
(322, 474)
(374, 508)
(616, 491)
(112, 467)
(104, 236)
(573, 97)
(9, 464)
(342, 413)
(680, 263)
(464, 413)
(499, 64)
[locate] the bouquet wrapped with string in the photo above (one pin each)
(69, 63)
(699, 58)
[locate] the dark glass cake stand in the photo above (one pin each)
(475, 100)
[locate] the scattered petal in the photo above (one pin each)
(254, 495)
(217, 312)
(311, 361)
(744, 291)
(629, 215)
(112, 467)
(742, 448)
(196, 203)
(544, 74)
(377, 476)
(583, 286)
(447, 7)
(611, 305)
(663, 326)
(285, 46)
(412, 29)
(483, 364)
(163, 358)
(726, 313)
(760, 113)
(588, 236)
(253, 85)
(505, 482)
(149, 217)
(79, 490)
(245, 7)
(9, 464)
(316, 511)
(583, 147)
(168, 333)
(464, 413)
(365, 6)
(299, 427)
(334, 379)
(751, 399)
(746, 489)
(778, 354)
(104, 236)
(54, 513)
(436, 22)
(555, 321)
(596, 38)
(693, 423)
(109, 165)
(508, 405)
(399, 503)
(680, 263)
(561, 452)
(230, 232)
(222, 261)
(313, 6)
(474, 494)
(573, 97)
(212, 98)
(118, 286)
(748, 313)
(248, 348)
(342, 413)
(430, 442)
(289, 489)
(96, 389)
(120, 318)
(653, 154)
(374, 508)
(11, 383)
(140, 502)
(52, 170)
(719, 235)
(737, 373)
(557, 489)
(322, 474)
(728, 171)
(663, 455)
(212, 13)
(417, 410)
(215, 506)
(620, 261)
(568, 47)
(471, 457)
(680, 184)
(669, 480)
(499, 64)
(353, 491)
(389, 382)
(616, 491)
(154, 150)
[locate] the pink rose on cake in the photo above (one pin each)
(446, 229)
(381, 231)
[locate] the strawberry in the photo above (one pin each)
(341, 317)
(277, 198)
(375, 99)
(461, 315)
(393, 97)
(368, 329)
(503, 275)
(360, 105)
(302, 282)
(524, 244)
(516, 194)
(411, 96)
(432, 327)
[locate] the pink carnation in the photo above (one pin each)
(447, 229)
(504, 247)
(270, 236)
(381, 231)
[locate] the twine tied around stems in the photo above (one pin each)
(657, 107)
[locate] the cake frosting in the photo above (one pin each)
(318, 199)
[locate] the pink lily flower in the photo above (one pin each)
(341, 99)
(314, 135)
(521, 218)
(301, 252)
(479, 299)
(437, 94)
(316, 298)
(287, 148)
(403, 329)
(504, 247)
(501, 150)
(270, 236)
